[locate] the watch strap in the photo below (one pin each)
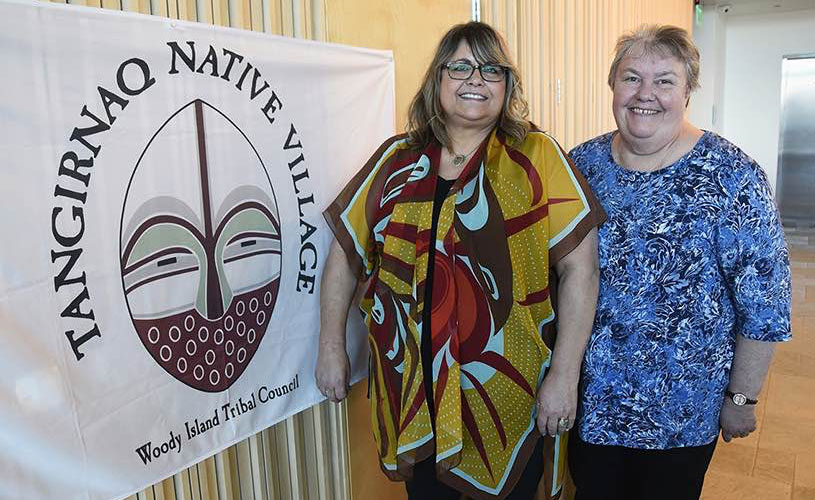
(740, 399)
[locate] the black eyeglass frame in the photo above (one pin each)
(473, 68)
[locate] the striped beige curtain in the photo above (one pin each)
(297, 18)
(564, 49)
(305, 456)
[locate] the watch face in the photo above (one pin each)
(739, 398)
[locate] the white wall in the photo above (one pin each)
(705, 104)
(748, 108)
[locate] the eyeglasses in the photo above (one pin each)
(463, 70)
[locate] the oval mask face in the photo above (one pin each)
(200, 248)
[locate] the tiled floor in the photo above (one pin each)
(777, 462)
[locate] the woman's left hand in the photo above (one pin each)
(557, 400)
(578, 277)
(736, 421)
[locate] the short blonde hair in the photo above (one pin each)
(661, 39)
(426, 120)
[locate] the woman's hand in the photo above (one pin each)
(336, 292)
(751, 361)
(557, 400)
(578, 278)
(333, 371)
(736, 421)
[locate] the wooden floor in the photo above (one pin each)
(777, 462)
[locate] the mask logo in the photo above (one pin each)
(200, 248)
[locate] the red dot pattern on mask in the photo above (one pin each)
(210, 355)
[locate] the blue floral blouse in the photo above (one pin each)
(690, 256)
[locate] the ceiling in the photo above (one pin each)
(750, 7)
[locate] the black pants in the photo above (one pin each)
(425, 486)
(614, 472)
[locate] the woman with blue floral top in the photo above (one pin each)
(694, 284)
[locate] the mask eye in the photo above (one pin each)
(162, 264)
(249, 247)
(162, 267)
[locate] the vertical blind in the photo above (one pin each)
(303, 457)
(564, 48)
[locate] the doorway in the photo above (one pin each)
(796, 152)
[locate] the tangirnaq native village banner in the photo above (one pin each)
(161, 185)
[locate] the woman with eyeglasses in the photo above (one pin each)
(465, 227)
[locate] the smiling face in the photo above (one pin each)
(472, 102)
(650, 93)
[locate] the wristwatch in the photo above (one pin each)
(740, 399)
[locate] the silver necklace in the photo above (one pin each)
(661, 161)
(665, 156)
(459, 159)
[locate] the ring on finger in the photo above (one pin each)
(563, 422)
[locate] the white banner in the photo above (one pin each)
(161, 186)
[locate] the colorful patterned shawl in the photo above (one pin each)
(513, 212)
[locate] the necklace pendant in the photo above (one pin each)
(458, 160)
